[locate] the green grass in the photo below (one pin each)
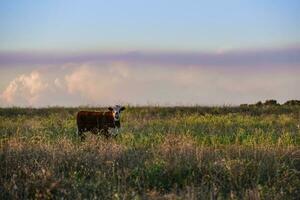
(167, 153)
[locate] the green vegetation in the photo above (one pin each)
(247, 152)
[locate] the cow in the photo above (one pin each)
(99, 122)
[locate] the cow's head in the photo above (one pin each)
(117, 114)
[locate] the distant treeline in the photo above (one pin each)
(273, 102)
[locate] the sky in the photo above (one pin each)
(70, 53)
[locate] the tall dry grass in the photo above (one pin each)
(161, 153)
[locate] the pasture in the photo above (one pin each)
(161, 153)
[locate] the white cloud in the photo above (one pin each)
(24, 90)
(92, 83)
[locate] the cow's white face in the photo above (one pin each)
(117, 112)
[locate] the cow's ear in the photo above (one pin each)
(110, 108)
(123, 108)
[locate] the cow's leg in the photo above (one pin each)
(106, 133)
(114, 132)
(80, 133)
(82, 136)
(95, 131)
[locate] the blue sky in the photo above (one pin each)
(148, 25)
(71, 53)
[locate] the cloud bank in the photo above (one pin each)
(121, 83)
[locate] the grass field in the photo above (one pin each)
(160, 153)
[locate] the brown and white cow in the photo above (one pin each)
(99, 122)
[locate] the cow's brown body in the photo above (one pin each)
(96, 122)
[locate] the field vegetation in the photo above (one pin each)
(246, 152)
